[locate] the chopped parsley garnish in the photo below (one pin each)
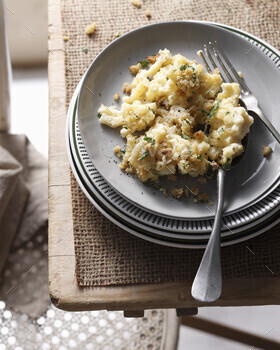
(214, 109)
(194, 78)
(85, 49)
(122, 151)
(186, 120)
(227, 164)
(221, 131)
(185, 164)
(184, 136)
(144, 155)
(227, 113)
(99, 115)
(150, 140)
(125, 127)
(144, 64)
(184, 66)
(137, 117)
(190, 151)
(198, 157)
(203, 111)
(150, 109)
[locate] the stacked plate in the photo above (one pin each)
(252, 196)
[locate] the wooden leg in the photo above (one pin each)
(230, 333)
(191, 311)
(133, 313)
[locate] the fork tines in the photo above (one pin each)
(224, 63)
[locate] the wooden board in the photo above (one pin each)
(64, 291)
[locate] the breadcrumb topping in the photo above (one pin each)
(116, 96)
(135, 68)
(177, 192)
(266, 150)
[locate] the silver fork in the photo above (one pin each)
(207, 285)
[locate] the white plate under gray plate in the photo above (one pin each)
(175, 229)
(253, 178)
(173, 241)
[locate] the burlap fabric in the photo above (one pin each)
(105, 254)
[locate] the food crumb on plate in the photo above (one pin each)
(163, 190)
(90, 29)
(204, 197)
(202, 180)
(194, 190)
(65, 38)
(177, 192)
(134, 69)
(127, 87)
(266, 150)
(116, 96)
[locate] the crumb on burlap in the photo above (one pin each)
(136, 3)
(90, 29)
(148, 14)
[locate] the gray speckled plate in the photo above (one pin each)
(253, 178)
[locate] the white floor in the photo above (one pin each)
(30, 116)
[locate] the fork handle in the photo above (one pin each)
(257, 112)
(207, 285)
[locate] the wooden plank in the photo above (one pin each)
(230, 333)
(64, 291)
